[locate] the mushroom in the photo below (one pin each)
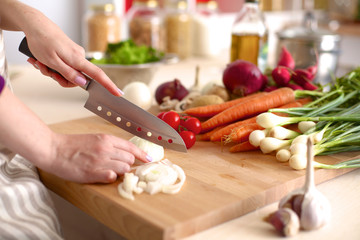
(168, 104)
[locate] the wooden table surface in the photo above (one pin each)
(220, 187)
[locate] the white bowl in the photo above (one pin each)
(121, 75)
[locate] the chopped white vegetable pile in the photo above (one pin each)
(153, 178)
(155, 151)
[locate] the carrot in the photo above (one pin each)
(304, 101)
(212, 110)
(241, 134)
(243, 147)
(217, 135)
(254, 106)
(206, 136)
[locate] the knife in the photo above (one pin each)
(125, 114)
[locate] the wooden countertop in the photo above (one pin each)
(54, 104)
(220, 187)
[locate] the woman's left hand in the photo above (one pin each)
(54, 49)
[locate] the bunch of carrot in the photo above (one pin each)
(234, 120)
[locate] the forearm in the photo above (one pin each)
(22, 131)
(17, 16)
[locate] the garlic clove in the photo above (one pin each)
(285, 221)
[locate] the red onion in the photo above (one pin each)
(174, 89)
(243, 78)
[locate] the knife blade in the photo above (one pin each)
(124, 113)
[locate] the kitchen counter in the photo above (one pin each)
(54, 104)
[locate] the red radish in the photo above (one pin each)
(265, 81)
(270, 88)
(281, 76)
(301, 77)
(304, 74)
(309, 86)
(286, 60)
(294, 86)
(313, 69)
(242, 78)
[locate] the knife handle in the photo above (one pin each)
(24, 48)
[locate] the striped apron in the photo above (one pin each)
(26, 209)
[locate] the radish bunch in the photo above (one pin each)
(285, 74)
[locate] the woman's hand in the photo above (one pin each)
(85, 158)
(54, 49)
(91, 158)
(67, 58)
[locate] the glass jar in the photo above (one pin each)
(178, 25)
(145, 20)
(103, 26)
(206, 29)
(249, 35)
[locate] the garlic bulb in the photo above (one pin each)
(312, 207)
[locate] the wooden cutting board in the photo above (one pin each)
(220, 186)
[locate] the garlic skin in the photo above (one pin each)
(285, 221)
(316, 211)
(312, 207)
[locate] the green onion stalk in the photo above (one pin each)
(337, 113)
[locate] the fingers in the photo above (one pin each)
(134, 150)
(103, 176)
(96, 73)
(72, 63)
(47, 72)
(93, 157)
(70, 77)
